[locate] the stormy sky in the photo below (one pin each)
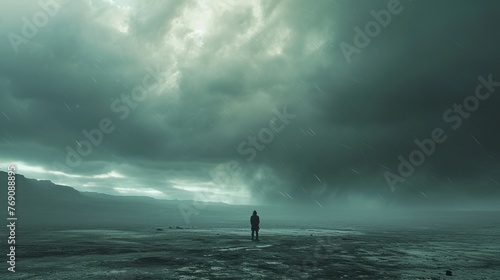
(349, 103)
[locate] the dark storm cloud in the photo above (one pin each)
(221, 68)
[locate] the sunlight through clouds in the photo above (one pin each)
(112, 174)
(232, 194)
(140, 191)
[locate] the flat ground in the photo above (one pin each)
(469, 252)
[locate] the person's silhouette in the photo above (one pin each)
(255, 221)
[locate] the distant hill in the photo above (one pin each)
(43, 203)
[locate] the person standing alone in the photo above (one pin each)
(255, 221)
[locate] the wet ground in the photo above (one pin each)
(228, 253)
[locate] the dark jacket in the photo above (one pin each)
(255, 221)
